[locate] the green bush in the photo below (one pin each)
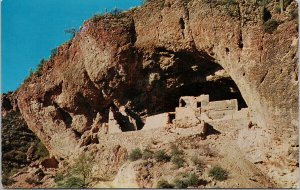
(118, 13)
(147, 154)
(16, 138)
(20, 158)
(270, 26)
(97, 17)
(232, 8)
(58, 177)
(32, 181)
(41, 150)
(218, 173)
(263, 2)
(180, 184)
(53, 52)
(188, 180)
(72, 182)
(277, 9)
(293, 14)
(78, 175)
(135, 154)
(287, 3)
(163, 184)
(161, 156)
(178, 161)
(71, 31)
(40, 65)
(6, 180)
(197, 162)
(175, 150)
(192, 180)
(28, 78)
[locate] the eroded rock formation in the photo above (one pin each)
(148, 57)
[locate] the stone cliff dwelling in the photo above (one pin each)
(192, 111)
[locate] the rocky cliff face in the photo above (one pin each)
(146, 58)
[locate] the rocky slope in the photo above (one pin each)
(20, 146)
(146, 58)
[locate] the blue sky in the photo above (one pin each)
(31, 28)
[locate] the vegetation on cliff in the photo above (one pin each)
(16, 141)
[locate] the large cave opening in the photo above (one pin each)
(184, 74)
(163, 80)
(221, 89)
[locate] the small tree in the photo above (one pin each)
(218, 173)
(178, 161)
(192, 180)
(180, 184)
(71, 31)
(135, 154)
(270, 26)
(83, 168)
(53, 52)
(163, 184)
(116, 11)
(147, 154)
(161, 156)
(175, 150)
(78, 175)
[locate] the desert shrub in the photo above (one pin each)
(53, 52)
(231, 2)
(145, 1)
(71, 182)
(286, 3)
(192, 180)
(20, 157)
(71, 31)
(263, 2)
(207, 151)
(28, 78)
(180, 184)
(37, 71)
(188, 180)
(163, 184)
(41, 150)
(232, 8)
(135, 154)
(161, 156)
(197, 162)
(270, 26)
(178, 161)
(16, 138)
(175, 151)
(40, 65)
(277, 9)
(58, 177)
(96, 17)
(6, 180)
(147, 154)
(293, 14)
(118, 13)
(77, 175)
(83, 168)
(32, 181)
(218, 173)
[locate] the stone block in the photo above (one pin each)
(157, 121)
(186, 117)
